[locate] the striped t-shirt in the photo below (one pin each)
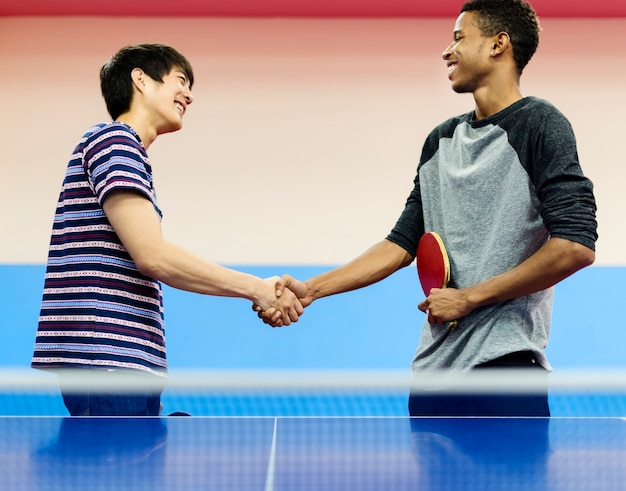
(98, 310)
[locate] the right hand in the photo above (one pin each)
(286, 288)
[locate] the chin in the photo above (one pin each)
(461, 89)
(171, 128)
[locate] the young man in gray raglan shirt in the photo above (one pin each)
(503, 187)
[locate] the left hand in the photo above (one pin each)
(445, 304)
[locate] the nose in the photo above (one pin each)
(447, 52)
(188, 97)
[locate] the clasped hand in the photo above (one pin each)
(292, 296)
(444, 305)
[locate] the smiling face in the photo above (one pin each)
(168, 101)
(468, 55)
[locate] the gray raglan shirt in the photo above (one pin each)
(495, 190)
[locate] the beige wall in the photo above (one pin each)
(302, 142)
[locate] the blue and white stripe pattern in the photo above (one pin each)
(98, 310)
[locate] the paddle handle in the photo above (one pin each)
(452, 325)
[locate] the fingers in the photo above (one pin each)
(271, 317)
(289, 310)
(279, 287)
(291, 306)
(423, 306)
(287, 306)
(432, 319)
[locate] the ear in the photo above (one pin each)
(139, 79)
(500, 43)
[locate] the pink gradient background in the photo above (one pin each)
(302, 142)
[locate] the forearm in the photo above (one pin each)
(554, 261)
(373, 265)
(183, 270)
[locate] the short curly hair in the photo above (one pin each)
(515, 17)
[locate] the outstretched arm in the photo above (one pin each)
(134, 220)
(373, 265)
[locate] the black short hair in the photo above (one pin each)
(515, 17)
(156, 60)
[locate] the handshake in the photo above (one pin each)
(286, 302)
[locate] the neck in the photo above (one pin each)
(495, 97)
(138, 123)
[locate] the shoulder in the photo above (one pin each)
(535, 120)
(537, 109)
(537, 103)
(112, 132)
(443, 130)
(105, 140)
(447, 128)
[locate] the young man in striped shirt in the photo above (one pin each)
(102, 303)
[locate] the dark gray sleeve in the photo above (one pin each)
(410, 226)
(568, 205)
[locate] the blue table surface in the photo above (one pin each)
(307, 453)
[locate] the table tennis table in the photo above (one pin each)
(312, 453)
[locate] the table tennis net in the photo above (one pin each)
(312, 393)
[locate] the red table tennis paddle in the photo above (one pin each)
(433, 266)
